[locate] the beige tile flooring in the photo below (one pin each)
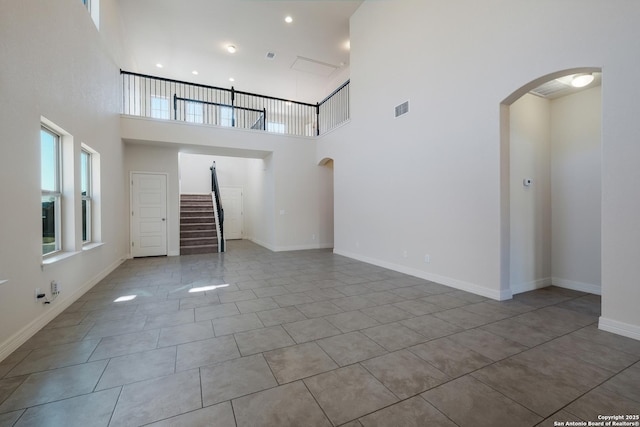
(310, 338)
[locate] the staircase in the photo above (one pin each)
(197, 225)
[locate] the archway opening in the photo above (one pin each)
(551, 185)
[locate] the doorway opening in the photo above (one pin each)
(551, 184)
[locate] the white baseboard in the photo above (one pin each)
(577, 286)
(531, 286)
(61, 303)
(495, 294)
(620, 328)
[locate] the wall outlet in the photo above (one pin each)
(427, 259)
(55, 288)
(37, 294)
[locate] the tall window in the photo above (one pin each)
(50, 178)
(195, 112)
(87, 4)
(159, 107)
(86, 190)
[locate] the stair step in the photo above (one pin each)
(194, 250)
(195, 226)
(198, 213)
(196, 219)
(198, 241)
(189, 234)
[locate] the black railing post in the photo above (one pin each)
(264, 119)
(175, 106)
(215, 189)
(233, 109)
(317, 119)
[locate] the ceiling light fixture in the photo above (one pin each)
(231, 79)
(288, 19)
(582, 80)
(195, 72)
(159, 65)
(231, 49)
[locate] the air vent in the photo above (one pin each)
(402, 109)
(271, 55)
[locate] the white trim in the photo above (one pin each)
(62, 303)
(91, 245)
(577, 286)
(263, 244)
(166, 212)
(303, 247)
(57, 258)
(495, 294)
(531, 286)
(620, 328)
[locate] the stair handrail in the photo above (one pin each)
(215, 189)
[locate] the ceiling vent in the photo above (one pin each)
(402, 109)
(271, 55)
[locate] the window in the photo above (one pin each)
(276, 127)
(159, 107)
(87, 4)
(226, 116)
(86, 193)
(50, 183)
(194, 112)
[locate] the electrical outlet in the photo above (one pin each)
(37, 293)
(55, 288)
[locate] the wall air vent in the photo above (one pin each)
(402, 109)
(271, 55)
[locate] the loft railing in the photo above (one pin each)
(215, 189)
(334, 109)
(160, 98)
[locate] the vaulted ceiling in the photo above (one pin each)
(311, 54)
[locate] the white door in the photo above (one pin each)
(148, 214)
(232, 204)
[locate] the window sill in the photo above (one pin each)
(57, 258)
(92, 245)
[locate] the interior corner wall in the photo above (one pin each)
(576, 157)
(530, 205)
(56, 66)
(437, 168)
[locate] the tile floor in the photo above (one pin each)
(313, 339)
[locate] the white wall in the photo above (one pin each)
(140, 158)
(438, 169)
(195, 175)
(576, 190)
(530, 154)
(54, 65)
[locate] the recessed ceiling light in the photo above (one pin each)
(288, 19)
(231, 49)
(194, 72)
(231, 79)
(159, 65)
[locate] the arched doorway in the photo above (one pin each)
(550, 186)
(325, 193)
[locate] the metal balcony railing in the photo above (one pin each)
(160, 98)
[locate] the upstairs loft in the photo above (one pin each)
(166, 99)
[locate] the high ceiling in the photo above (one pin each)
(311, 53)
